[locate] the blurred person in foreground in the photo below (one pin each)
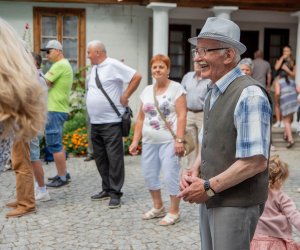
(235, 143)
(22, 117)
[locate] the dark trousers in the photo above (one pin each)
(109, 156)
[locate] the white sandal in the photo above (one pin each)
(154, 213)
(170, 219)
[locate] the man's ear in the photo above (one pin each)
(229, 56)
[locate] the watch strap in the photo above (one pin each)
(207, 186)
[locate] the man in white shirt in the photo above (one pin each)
(106, 131)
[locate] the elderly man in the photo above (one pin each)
(106, 130)
(196, 90)
(233, 183)
(59, 79)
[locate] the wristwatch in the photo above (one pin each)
(209, 191)
(180, 140)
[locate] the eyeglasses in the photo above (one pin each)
(48, 51)
(202, 51)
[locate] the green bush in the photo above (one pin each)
(78, 120)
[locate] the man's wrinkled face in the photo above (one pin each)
(211, 63)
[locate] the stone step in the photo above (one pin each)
(280, 143)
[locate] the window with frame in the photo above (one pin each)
(179, 50)
(65, 25)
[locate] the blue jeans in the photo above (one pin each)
(54, 130)
(35, 149)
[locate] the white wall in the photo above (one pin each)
(125, 29)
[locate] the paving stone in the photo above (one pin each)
(72, 221)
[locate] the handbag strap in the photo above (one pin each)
(99, 85)
(162, 115)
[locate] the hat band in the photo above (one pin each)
(217, 37)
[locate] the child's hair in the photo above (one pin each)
(278, 172)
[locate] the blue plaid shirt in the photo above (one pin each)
(252, 117)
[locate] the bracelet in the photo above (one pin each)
(180, 140)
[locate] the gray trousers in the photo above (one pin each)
(228, 228)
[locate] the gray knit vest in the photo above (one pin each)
(219, 148)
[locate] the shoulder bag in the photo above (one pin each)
(126, 117)
(188, 142)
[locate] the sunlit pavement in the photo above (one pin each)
(72, 221)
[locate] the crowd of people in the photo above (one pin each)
(231, 174)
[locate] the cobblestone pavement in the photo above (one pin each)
(72, 221)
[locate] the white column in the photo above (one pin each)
(298, 49)
(161, 26)
(223, 11)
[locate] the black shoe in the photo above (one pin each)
(89, 158)
(103, 195)
(114, 202)
(58, 182)
(68, 177)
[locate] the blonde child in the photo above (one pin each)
(274, 228)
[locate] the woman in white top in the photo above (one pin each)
(160, 150)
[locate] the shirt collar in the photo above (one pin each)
(225, 80)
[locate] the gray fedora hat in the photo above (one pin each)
(223, 30)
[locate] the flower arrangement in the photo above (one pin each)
(76, 142)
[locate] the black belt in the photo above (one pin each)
(195, 110)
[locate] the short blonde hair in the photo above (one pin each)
(278, 172)
(22, 105)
